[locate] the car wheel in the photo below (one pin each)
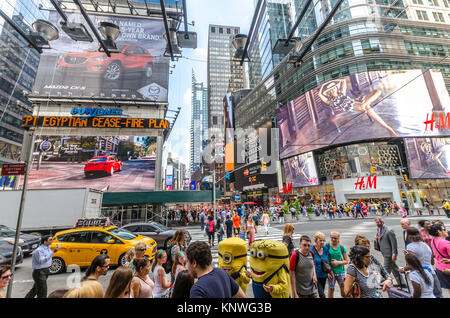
(149, 70)
(111, 171)
(113, 71)
(57, 266)
(122, 261)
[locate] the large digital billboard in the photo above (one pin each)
(107, 163)
(361, 106)
(301, 170)
(138, 70)
(428, 157)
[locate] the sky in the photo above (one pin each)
(203, 13)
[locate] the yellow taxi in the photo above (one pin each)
(79, 246)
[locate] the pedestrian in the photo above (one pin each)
(5, 276)
(337, 257)
(210, 230)
(176, 245)
(179, 265)
(386, 243)
(358, 210)
(424, 231)
(288, 237)
(421, 279)
(202, 220)
(357, 270)
(211, 282)
(162, 284)
(446, 207)
(120, 283)
(441, 223)
(141, 285)
(405, 224)
(139, 253)
(236, 224)
(281, 216)
(425, 255)
(250, 229)
(441, 252)
(302, 271)
(131, 253)
(86, 289)
(331, 211)
(220, 230)
(99, 267)
(40, 263)
(183, 285)
(323, 269)
(266, 222)
(229, 226)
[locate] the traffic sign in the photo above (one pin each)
(13, 169)
(45, 146)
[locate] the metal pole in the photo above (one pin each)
(214, 191)
(21, 208)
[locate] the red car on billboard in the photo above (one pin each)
(131, 58)
(102, 164)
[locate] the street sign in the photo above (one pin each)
(45, 146)
(13, 169)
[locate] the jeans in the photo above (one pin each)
(39, 288)
(219, 237)
(202, 224)
(321, 286)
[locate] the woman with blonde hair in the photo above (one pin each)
(119, 285)
(288, 237)
(141, 285)
(250, 229)
(87, 289)
(323, 268)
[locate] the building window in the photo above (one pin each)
(438, 17)
(433, 3)
(220, 30)
(446, 3)
(214, 120)
(422, 15)
(228, 31)
(417, 2)
(213, 29)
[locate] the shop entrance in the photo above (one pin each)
(370, 197)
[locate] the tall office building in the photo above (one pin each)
(225, 74)
(18, 67)
(199, 122)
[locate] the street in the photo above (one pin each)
(348, 228)
(136, 175)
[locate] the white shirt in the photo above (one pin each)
(426, 289)
(422, 251)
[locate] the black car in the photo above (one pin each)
(6, 252)
(160, 233)
(27, 242)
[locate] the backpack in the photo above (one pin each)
(297, 254)
(168, 264)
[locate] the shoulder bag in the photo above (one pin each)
(326, 268)
(439, 253)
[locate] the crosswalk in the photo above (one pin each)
(274, 234)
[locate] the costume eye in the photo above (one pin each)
(227, 258)
(253, 252)
(261, 255)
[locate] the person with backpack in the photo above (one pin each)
(302, 271)
(210, 230)
(220, 230)
(337, 257)
(176, 245)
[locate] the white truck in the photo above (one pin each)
(50, 210)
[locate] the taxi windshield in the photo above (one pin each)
(123, 234)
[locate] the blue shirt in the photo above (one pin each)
(216, 284)
(42, 257)
(318, 263)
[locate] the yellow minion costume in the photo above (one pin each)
(233, 259)
(269, 264)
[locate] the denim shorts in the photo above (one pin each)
(337, 277)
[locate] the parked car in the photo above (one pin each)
(160, 233)
(27, 242)
(130, 59)
(6, 251)
(102, 164)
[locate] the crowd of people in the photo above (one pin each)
(186, 271)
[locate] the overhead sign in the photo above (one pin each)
(96, 111)
(100, 222)
(93, 122)
(13, 169)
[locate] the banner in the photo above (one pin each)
(362, 106)
(428, 157)
(300, 171)
(77, 69)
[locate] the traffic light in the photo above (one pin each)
(372, 169)
(405, 177)
(263, 166)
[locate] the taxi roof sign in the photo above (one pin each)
(93, 222)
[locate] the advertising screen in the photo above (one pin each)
(107, 163)
(301, 170)
(361, 106)
(428, 157)
(138, 70)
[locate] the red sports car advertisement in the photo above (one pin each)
(107, 163)
(137, 68)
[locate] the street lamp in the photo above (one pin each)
(110, 32)
(239, 43)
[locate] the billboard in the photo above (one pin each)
(428, 157)
(301, 170)
(361, 106)
(107, 163)
(77, 69)
(229, 132)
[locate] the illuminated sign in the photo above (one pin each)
(93, 122)
(94, 112)
(370, 184)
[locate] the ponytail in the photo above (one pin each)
(414, 262)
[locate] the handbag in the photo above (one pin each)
(326, 268)
(354, 292)
(376, 245)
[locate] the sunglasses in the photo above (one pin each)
(7, 276)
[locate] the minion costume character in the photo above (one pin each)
(269, 264)
(233, 259)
